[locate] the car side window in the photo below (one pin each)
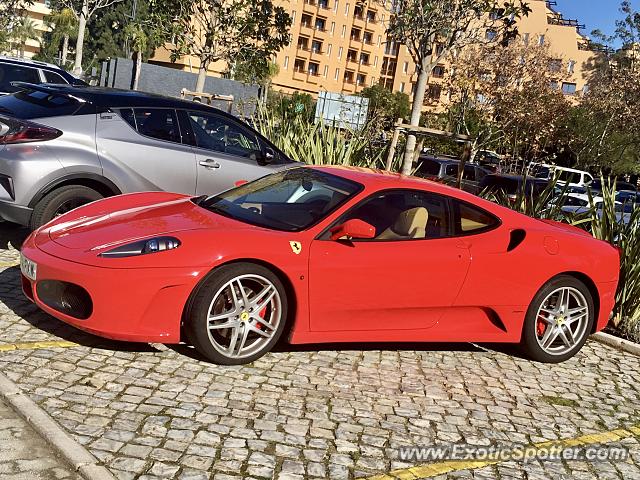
(16, 73)
(220, 134)
(429, 167)
(157, 123)
(52, 77)
(471, 219)
(404, 215)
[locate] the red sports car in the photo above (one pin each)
(321, 254)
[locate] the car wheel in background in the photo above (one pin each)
(61, 201)
(558, 321)
(238, 314)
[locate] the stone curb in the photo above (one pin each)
(71, 451)
(617, 342)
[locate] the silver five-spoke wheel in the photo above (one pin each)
(562, 320)
(237, 314)
(243, 316)
(558, 320)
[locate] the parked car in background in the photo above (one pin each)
(24, 70)
(64, 146)
(445, 169)
(511, 185)
(571, 176)
(596, 185)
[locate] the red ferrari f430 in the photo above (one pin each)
(321, 254)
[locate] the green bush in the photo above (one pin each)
(318, 143)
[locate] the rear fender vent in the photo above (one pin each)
(517, 237)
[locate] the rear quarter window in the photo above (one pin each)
(34, 104)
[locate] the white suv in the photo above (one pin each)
(565, 175)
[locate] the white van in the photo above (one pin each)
(572, 176)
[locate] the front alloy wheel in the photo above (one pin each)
(558, 321)
(238, 314)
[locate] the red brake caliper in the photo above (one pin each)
(262, 314)
(541, 327)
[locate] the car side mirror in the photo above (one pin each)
(354, 228)
(263, 157)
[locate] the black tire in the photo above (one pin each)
(529, 343)
(196, 317)
(60, 201)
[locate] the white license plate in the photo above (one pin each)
(28, 268)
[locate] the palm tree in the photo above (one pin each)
(24, 30)
(64, 26)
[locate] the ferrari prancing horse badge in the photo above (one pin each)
(296, 247)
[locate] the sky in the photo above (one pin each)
(595, 14)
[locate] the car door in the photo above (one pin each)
(401, 279)
(226, 152)
(141, 149)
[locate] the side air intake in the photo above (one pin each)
(517, 237)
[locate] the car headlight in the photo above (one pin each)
(143, 247)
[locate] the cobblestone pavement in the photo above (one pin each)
(152, 412)
(24, 455)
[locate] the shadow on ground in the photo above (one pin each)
(12, 235)
(16, 301)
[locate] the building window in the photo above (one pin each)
(286, 62)
(293, 16)
(314, 68)
(340, 53)
(571, 67)
(344, 31)
(568, 88)
(585, 89)
(348, 76)
(491, 35)
(298, 65)
(361, 79)
(321, 24)
(555, 65)
(303, 43)
(379, 40)
(305, 20)
(364, 58)
(355, 34)
(433, 93)
(405, 67)
(337, 74)
(402, 87)
(371, 16)
(326, 71)
(352, 55)
(439, 49)
(333, 27)
(554, 85)
(367, 38)
(438, 71)
(329, 48)
(358, 12)
(316, 46)
(525, 38)
(335, 6)
(323, 4)
(541, 40)
(346, 9)
(375, 61)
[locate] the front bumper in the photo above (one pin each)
(11, 212)
(137, 305)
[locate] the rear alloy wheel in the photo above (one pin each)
(238, 314)
(60, 201)
(558, 321)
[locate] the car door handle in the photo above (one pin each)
(209, 163)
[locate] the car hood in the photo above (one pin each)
(117, 220)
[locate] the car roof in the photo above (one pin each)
(28, 61)
(105, 97)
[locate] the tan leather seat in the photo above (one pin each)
(410, 224)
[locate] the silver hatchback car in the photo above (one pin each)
(64, 146)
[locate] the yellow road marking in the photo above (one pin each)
(439, 468)
(36, 345)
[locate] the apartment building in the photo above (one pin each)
(544, 25)
(36, 12)
(341, 46)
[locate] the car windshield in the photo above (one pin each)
(291, 200)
